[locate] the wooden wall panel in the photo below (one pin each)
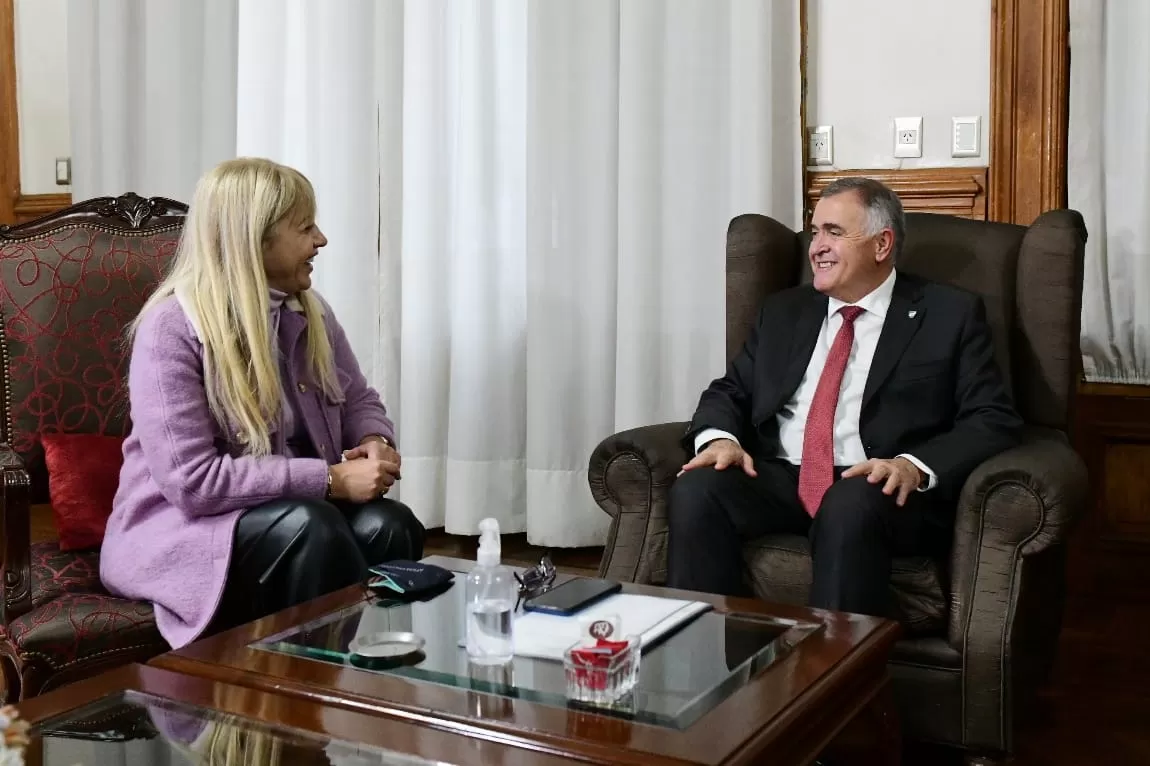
(1125, 493)
(956, 191)
(29, 206)
(1113, 436)
(1111, 548)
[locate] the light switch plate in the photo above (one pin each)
(907, 136)
(965, 137)
(63, 171)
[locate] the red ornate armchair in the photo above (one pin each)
(69, 284)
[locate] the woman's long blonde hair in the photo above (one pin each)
(218, 272)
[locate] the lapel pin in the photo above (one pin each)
(911, 314)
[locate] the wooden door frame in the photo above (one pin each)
(1029, 107)
(15, 207)
(9, 120)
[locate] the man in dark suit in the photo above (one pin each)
(855, 411)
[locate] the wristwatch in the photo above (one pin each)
(382, 438)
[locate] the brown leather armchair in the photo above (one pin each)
(981, 628)
(69, 284)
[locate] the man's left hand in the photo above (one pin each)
(374, 447)
(900, 475)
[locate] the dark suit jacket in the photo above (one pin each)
(934, 389)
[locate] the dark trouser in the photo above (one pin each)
(853, 537)
(290, 551)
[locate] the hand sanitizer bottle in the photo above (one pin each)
(490, 602)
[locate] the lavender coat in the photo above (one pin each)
(185, 480)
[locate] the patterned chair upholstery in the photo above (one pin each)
(69, 285)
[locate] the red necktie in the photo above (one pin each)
(817, 471)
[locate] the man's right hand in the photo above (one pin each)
(362, 479)
(722, 453)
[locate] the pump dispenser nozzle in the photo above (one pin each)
(489, 543)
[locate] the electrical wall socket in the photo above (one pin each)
(820, 146)
(907, 136)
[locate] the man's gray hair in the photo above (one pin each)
(883, 207)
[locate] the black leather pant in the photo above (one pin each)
(292, 550)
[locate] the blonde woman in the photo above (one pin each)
(255, 472)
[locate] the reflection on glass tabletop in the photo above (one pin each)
(136, 729)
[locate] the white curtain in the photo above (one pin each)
(526, 201)
(306, 97)
(1109, 182)
(569, 169)
(152, 96)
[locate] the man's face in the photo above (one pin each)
(847, 262)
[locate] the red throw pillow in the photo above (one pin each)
(83, 474)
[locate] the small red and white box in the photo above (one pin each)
(603, 666)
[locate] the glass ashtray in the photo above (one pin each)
(602, 673)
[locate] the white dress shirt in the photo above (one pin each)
(848, 446)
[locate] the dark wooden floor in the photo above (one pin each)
(1095, 711)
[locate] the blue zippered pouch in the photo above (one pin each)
(410, 579)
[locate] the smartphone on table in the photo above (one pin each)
(572, 596)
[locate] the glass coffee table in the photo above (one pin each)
(681, 677)
(745, 676)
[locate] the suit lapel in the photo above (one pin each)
(802, 345)
(903, 319)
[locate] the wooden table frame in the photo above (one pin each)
(831, 689)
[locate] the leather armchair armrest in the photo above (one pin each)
(630, 474)
(1007, 572)
(15, 514)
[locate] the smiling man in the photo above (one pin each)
(853, 414)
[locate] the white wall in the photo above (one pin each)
(42, 93)
(869, 61)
